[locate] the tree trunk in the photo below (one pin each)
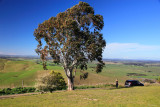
(70, 79)
(70, 84)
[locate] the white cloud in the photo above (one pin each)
(131, 51)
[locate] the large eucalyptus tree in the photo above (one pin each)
(72, 38)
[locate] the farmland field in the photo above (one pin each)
(13, 71)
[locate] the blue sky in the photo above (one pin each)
(131, 29)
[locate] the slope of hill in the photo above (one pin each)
(13, 71)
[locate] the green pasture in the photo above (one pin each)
(13, 72)
(146, 96)
(120, 72)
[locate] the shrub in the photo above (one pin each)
(23, 90)
(29, 89)
(158, 80)
(2, 92)
(7, 90)
(17, 90)
(50, 82)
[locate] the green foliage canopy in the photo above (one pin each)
(73, 37)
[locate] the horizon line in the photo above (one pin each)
(138, 59)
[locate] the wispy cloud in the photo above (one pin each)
(131, 51)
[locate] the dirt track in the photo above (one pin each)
(25, 94)
(16, 95)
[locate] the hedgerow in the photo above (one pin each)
(18, 90)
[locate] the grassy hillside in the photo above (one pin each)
(12, 72)
(110, 97)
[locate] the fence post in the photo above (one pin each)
(22, 83)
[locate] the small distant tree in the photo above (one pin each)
(73, 38)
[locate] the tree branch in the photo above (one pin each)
(74, 62)
(79, 25)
